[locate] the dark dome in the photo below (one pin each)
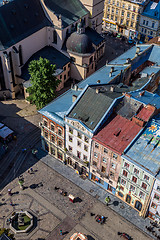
(79, 43)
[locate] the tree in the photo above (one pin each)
(44, 82)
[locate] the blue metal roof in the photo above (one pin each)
(152, 10)
(146, 149)
(147, 98)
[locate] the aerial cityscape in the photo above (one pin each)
(79, 119)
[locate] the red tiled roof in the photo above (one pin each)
(118, 134)
(145, 113)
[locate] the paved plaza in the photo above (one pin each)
(55, 212)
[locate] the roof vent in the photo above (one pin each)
(112, 88)
(98, 81)
(141, 93)
(128, 60)
(117, 132)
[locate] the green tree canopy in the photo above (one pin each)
(44, 82)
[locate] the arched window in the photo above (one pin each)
(138, 205)
(55, 37)
(128, 199)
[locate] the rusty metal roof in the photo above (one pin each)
(117, 134)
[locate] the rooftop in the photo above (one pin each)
(152, 10)
(19, 19)
(146, 149)
(70, 11)
(118, 133)
(53, 55)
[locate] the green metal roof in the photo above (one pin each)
(91, 107)
(70, 10)
(19, 19)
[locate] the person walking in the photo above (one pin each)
(107, 200)
(61, 232)
(9, 192)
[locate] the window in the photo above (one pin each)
(123, 5)
(151, 33)
(113, 165)
(133, 16)
(111, 17)
(154, 205)
(85, 148)
(156, 197)
(79, 135)
(60, 76)
(91, 60)
(70, 148)
(20, 55)
(94, 164)
(111, 174)
(71, 130)
(117, 11)
(46, 134)
(144, 186)
(116, 19)
(60, 155)
(103, 169)
(142, 29)
(54, 37)
(70, 139)
(53, 138)
(126, 165)
(59, 132)
(125, 173)
(52, 127)
(64, 76)
(68, 65)
(122, 13)
(95, 154)
(132, 188)
(131, 24)
(113, 2)
(129, 7)
(141, 194)
(84, 157)
(144, 21)
(45, 123)
(117, 4)
(64, 68)
(146, 177)
(78, 154)
(78, 143)
(158, 188)
(96, 145)
(127, 23)
(145, 30)
(112, 10)
(105, 150)
(59, 143)
(136, 171)
(123, 182)
(121, 188)
(108, 16)
(153, 23)
(120, 194)
(121, 21)
(108, 9)
(73, 59)
(128, 15)
(134, 9)
(115, 156)
(104, 160)
(68, 73)
(134, 179)
(86, 139)
(52, 151)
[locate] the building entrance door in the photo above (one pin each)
(128, 199)
(138, 205)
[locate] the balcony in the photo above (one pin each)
(77, 159)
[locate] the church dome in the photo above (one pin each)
(79, 43)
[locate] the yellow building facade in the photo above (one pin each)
(123, 16)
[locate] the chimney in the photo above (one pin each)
(137, 49)
(112, 69)
(128, 60)
(110, 74)
(75, 87)
(97, 90)
(74, 97)
(141, 93)
(112, 88)
(98, 81)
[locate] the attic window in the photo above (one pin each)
(117, 132)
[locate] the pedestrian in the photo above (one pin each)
(61, 232)
(107, 200)
(11, 203)
(9, 192)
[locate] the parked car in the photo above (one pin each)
(131, 41)
(124, 236)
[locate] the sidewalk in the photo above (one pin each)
(116, 204)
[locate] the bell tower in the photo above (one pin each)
(95, 7)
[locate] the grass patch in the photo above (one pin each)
(27, 222)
